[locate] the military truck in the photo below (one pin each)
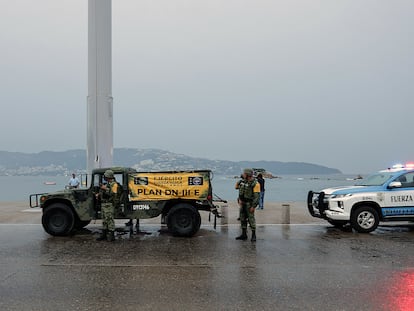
(177, 196)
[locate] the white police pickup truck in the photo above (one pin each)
(385, 196)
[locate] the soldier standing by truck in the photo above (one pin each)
(109, 196)
(248, 200)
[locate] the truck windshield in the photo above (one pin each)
(376, 179)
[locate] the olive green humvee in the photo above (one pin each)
(177, 196)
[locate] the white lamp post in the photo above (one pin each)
(100, 101)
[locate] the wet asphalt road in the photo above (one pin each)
(290, 267)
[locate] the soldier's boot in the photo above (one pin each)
(243, 236)
(111, 236)
(253, 236)
(103, 235)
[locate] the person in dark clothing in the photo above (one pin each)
(261, 182)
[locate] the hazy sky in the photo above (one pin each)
(319, 81)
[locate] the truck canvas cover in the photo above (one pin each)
(149, 186)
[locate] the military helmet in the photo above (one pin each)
(248, 171)
(109, 174)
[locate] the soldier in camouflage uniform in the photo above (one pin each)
(248, 200)
(109, 195)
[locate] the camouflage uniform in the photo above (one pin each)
(248, 198)
(109, 200)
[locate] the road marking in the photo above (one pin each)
(266, 225)
(158, 225)
(20, 224)
(32, 210)
(127, 265)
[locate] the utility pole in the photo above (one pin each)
(100, 102)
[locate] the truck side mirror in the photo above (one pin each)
(394, 184)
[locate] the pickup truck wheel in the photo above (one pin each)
(337, 223)
(364, 219)
(183, 220)
(58, 219)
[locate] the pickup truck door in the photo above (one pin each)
(399, 201)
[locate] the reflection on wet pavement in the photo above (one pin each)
(290, 267)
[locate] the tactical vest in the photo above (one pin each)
(246, 190)
(113, 194)
(116, 191)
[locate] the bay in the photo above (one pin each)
(288, 188)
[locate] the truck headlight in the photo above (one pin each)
(338, 196)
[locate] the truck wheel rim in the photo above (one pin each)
(184, 220)
(366, 220)
(57, 221)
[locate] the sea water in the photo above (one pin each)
(288, 188)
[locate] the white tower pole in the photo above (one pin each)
(100, 121)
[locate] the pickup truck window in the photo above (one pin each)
(406, 180)
(376, 179)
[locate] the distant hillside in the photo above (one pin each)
(58, 163)
(286, 168)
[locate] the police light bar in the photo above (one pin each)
(400, 166)
(409, 165)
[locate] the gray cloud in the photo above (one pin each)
(327, 82)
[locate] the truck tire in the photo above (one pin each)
(183, 220)
(79, 224)
(58, 219)
(364, 219)
(198, 221)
